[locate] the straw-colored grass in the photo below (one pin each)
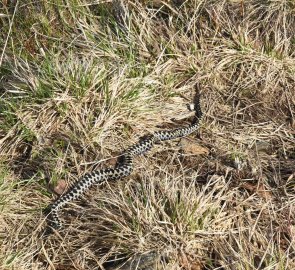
(82, 80)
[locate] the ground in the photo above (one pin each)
(80, 81)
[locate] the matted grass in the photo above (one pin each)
(80, 81)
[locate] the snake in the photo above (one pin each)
(123, 169)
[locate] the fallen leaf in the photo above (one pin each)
(260, 189)
(61, 187)
(190, 147)
(188, 263)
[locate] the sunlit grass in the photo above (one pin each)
(81, 81)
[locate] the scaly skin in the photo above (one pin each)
(100, 176)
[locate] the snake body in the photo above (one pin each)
(123, 169)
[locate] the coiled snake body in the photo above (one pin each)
(122, 170)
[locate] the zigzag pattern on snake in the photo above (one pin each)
(122, 170)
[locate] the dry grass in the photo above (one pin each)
(80, 81)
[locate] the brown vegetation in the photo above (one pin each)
(80, 81)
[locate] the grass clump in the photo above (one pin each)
(81, 81)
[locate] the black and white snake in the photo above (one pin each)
(123, 169)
